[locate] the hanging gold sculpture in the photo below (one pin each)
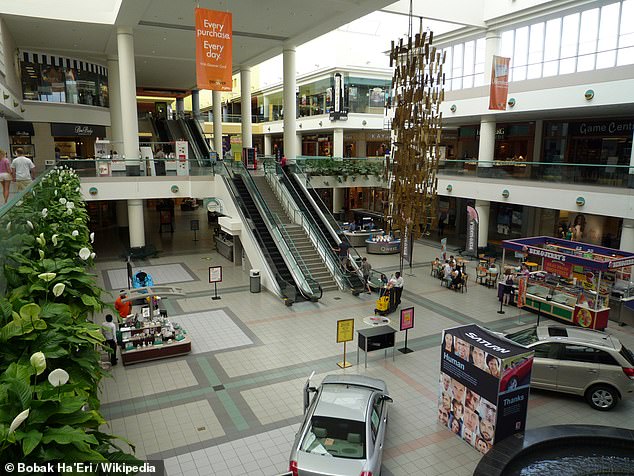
(417, 92)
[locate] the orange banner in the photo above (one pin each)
(213, 50)
(499, 91)
(522, 285)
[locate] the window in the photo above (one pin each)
(458, 57)
(524, 337)
(605, 358)
(626, 34)
(536, 51)
(570, 36)
(520, 54)
(337, 437)
(551, 54)
(478, 69)
(448, 68)
(580, 353)
(608, 35)
(588, 34)
(469, 63)
(375, 422)
(547, 350)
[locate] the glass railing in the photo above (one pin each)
(140, 167)
(324, 250)
(308, 286)
(610, 175)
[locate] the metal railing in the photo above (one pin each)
(307, 286)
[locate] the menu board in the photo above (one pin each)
(484, 385)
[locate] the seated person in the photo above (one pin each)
(447, 270)
(456, 278)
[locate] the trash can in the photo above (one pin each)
(254, 280)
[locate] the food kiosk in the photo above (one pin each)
(574, 280)
(383, 245)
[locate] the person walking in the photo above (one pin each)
(22, 170)
(366, 267)
(109, 331)
(5, 175)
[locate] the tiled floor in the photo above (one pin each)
(162, 274)
(232, 406)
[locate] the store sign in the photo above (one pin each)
(77, 130)
(339, 113)
(213, 49)
(472, 231)
(557, 267)
(23, 129)
(622, 128)
(484, 385)
(499, 90)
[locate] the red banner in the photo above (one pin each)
(213, 49)
(521, 291)
(557, 267)
(499, 91)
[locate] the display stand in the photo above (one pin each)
(407, 323)
(345, 333)
(215, 277)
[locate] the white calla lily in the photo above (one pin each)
(44, 212)
(84, 253)
(58, 377)
(38, 361)
(58, 289)
(30, 225)
(63, 201)
(54, 239)
(17, 421)
(41, 254)
(92, 255)
(48, 277)
(75, 233)
(8, 226)
(70, 205)
(92, 237)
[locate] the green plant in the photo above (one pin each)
(51, 416)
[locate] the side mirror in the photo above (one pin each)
(387, 398)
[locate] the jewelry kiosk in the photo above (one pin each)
(148, 333)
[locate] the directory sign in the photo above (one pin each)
(484, 385)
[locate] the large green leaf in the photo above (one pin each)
(20, 327)
(30, 440)
(30, 311)
(20, 389)
(66, 435)
(5, 309)
(18, 371)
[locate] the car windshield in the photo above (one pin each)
(525, 337)
(629, 356)
(335, 437)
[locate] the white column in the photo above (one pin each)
(627, 235)
(135, 222)
(290, 106)
(266, 106)
(122, 213)
(337, 199)
(4, 136)
(114, 93)
(216, 98)
(298, 145)
(491, 48)
(195, 103)
(487, 141)
(483, 208)
(245, 107)
(127, 88)
(537, 143)
(362, 148)
(337, 143)
(268, 144)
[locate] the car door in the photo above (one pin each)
(578, 367)
(378, 422)
(545, 365)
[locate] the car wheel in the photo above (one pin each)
(602, 397)
(512, 384)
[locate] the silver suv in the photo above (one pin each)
(580, 361)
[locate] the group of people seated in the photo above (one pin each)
(450, 272)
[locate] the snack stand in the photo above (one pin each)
(575, 279)
(383, 245)
(147, 333)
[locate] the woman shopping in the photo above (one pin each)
(5, 175)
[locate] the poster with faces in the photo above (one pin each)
(479, 372)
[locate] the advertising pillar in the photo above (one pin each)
(182, 158)
(471, 247)
(484, 385)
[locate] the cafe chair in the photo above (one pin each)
(463, 285)
(481, 275)
(492, 278)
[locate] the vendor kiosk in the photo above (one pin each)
(574, 280)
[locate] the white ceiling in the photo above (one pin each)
(164, 32)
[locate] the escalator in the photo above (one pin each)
(197, 135)
(309, 209)
(163, 136)
(195, 152)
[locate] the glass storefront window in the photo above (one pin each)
(51, 83)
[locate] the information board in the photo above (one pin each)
(407, 318)
(345, 330)
(215, 274)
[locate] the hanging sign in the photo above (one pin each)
(499, 90)
(472, 231)
(213, 49)
(558, 268)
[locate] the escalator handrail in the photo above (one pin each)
(252, 230)
(190, 140)
(199, 135)
(306, 285)
(324, 248)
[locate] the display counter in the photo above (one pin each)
(383, 247)
(157, 351)
(359, 237)
(225, 247)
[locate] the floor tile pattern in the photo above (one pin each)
(213, 330)
(162, 274)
